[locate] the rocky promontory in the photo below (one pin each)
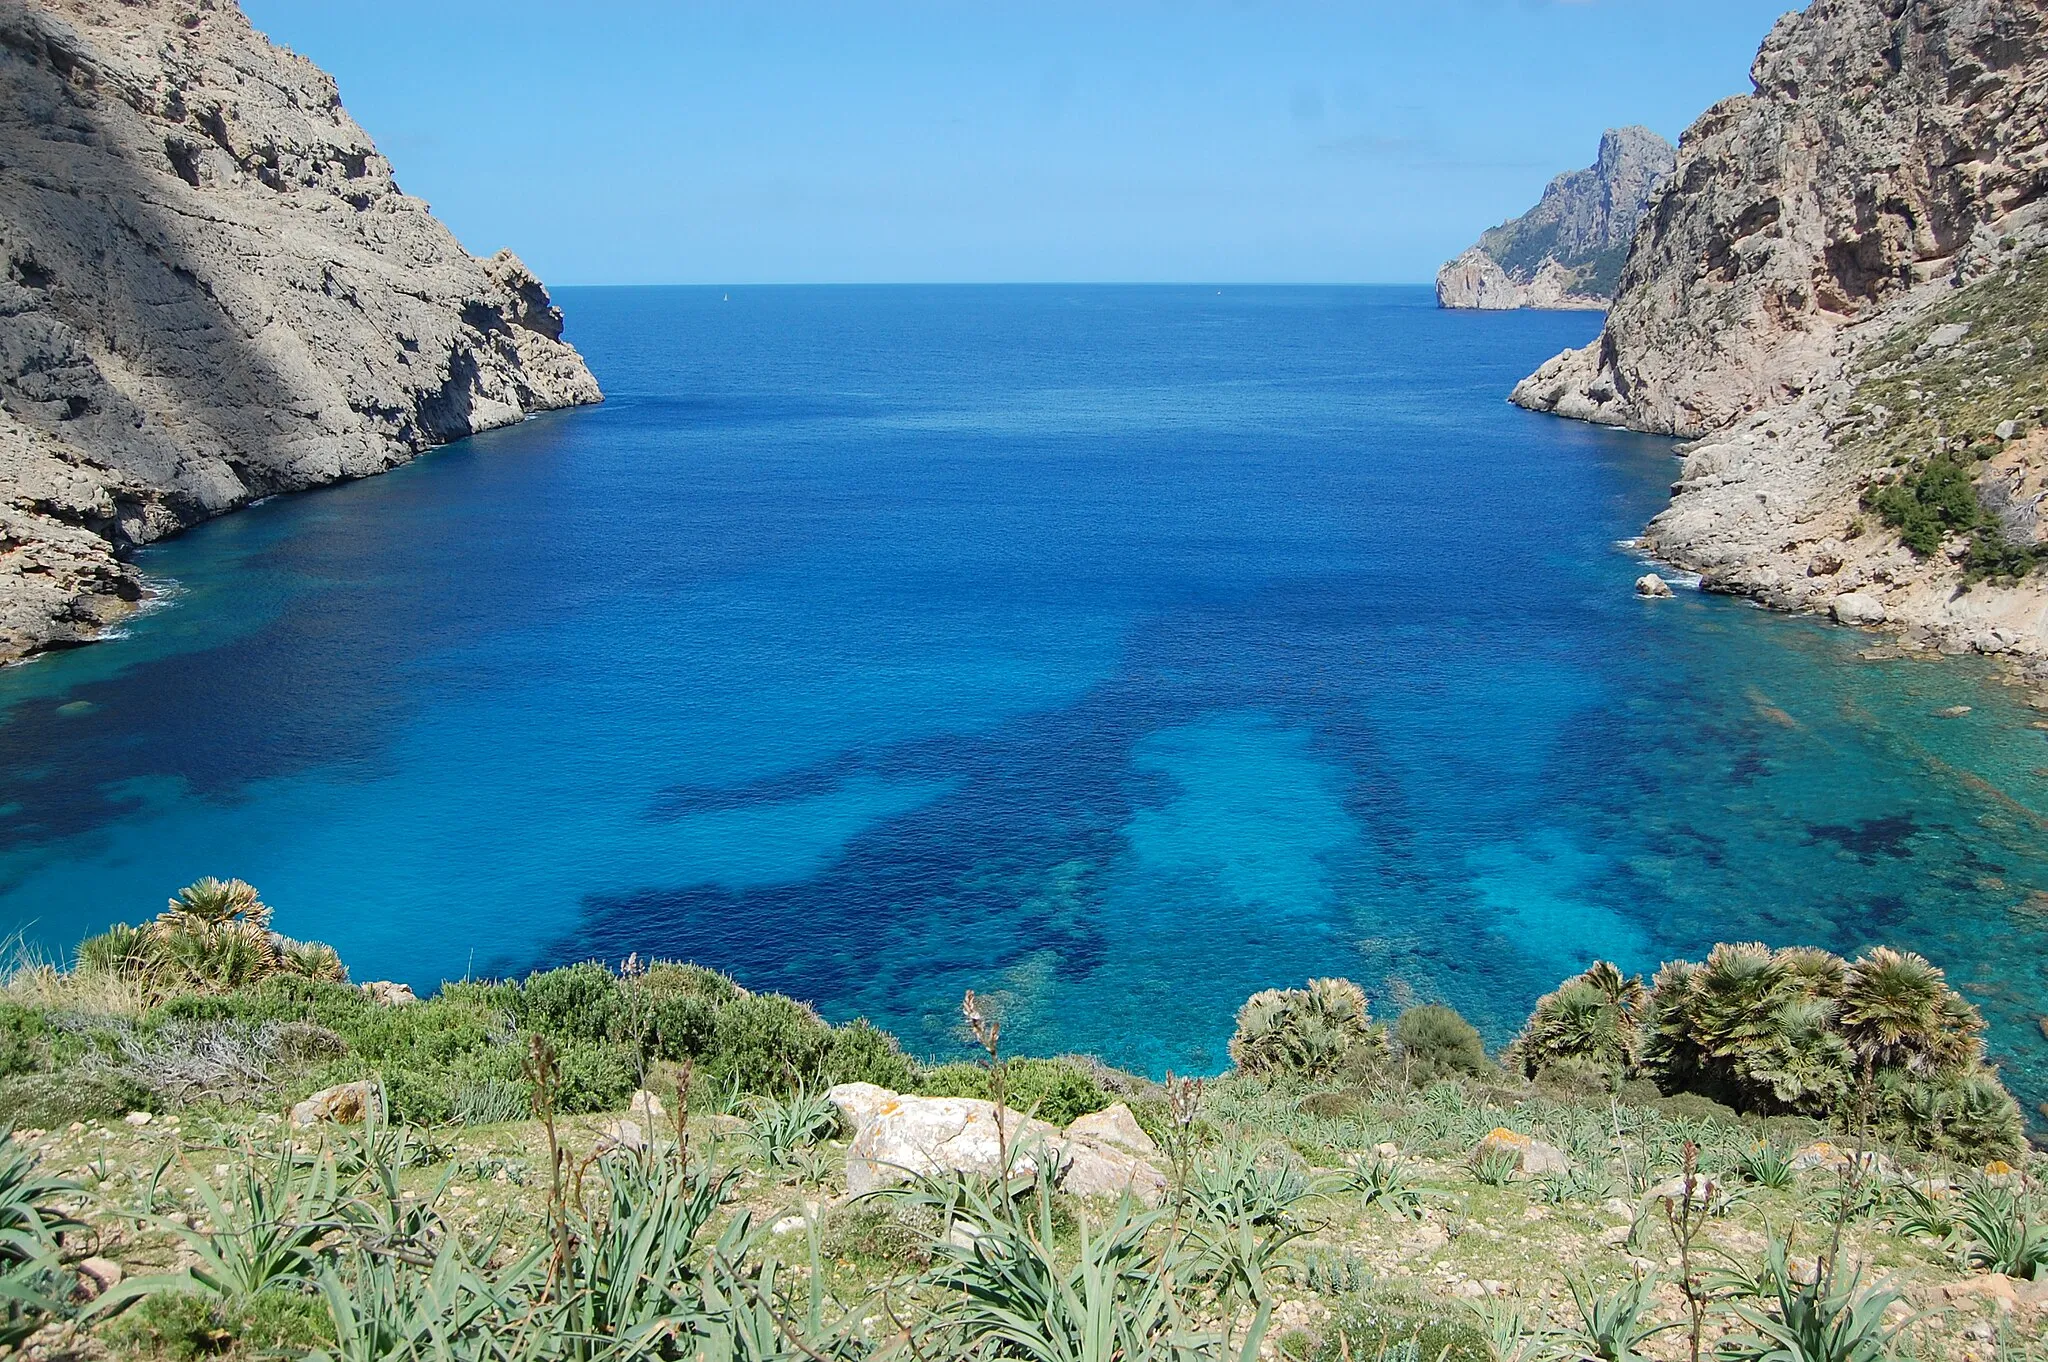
(1838, 298)
(212, 290)
(1567, 251)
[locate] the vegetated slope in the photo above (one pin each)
(1837, 294)
(211, 290)
(1568, 250)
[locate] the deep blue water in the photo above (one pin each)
(1117, 651)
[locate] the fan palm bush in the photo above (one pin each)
(1319, 1033)
(1591, 1019)
(214, 937)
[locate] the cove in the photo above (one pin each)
(1112, 651)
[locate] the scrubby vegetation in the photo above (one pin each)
(1927, 415)
(1767, 1154)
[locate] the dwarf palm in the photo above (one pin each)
(1318, 1032)
(1897, 1010)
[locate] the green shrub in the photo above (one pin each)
(184, 1326)
(1937, 500)
(1054, 1090)
(1436, 1042)
(671, 979)
(766, 1043)
(576, 1002)
(597, 1075)
(24, 1039)
(1318, 1033)
(50, 1101)
(862, 1052)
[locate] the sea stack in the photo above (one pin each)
(211, 290)
(1838, 298)
(1567, 251)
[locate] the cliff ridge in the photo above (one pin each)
(1567, 251)
(212, 290)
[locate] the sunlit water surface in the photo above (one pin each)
(1115, 651)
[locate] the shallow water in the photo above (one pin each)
(1115, 651)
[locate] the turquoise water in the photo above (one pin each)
(1114, 651)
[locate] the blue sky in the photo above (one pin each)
(619, 142)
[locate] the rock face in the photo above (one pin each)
(212, 290)
(1567, 251)
(1839, 283)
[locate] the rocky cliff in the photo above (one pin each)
(1839, 297)
(1567, 251)
(211, 290)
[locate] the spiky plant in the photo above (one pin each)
(1316, 1033)
(214, 901)
(121, 949)
(310, 960)
(1592, 1018)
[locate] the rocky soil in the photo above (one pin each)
(1821, 301)
(1567, 251)
(212, 290)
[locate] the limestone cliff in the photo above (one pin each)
(1567, 251)
(211, 290)
(1839, 296)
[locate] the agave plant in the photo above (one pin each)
(2003, 1230)
(1611, 1327)
(782, 1127)
(263, 1230)
(1591, 1018)
(1824, 1320)
(1317, 1033)
(1380, 1181)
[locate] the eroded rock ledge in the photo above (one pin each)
(1788, 302)
(212, 290)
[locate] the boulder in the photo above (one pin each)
(1096, 1168)
(647, 1109)
(385, 993)
(1113, 1125)
(344, 1104)
(1532, 1156)
(621, 1134)
(1651, 585)
(1702, 1191)
(857, 1102)
(911, 1137)
(1857, 608)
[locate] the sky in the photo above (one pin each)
(618, 142)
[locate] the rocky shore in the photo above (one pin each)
(1836, 295)
(212, 290)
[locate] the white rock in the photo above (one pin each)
(1941, 337)
(911, 1137)
(621, 1134)
(1650, 584)
(385, 993)
(1857, 608)
(1113, 1125)
(647, 1108)
(857, 1102)
(2007, 429)
(138, 1118)
(1092, 1168)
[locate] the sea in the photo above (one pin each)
(1113, 652)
